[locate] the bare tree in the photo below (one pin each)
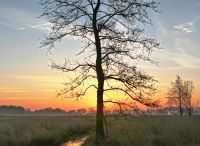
(180, 93)
(175, 93)
(114, 38)
(188, 90)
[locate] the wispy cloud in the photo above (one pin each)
(35, 78)
(23, 98)
(178, 59)
(188, 27)
(178, 51)
(14, 91)
(187, 61)
(21, 28)
(7, 24)
(22, 20)
(42, 27)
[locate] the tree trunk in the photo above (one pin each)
(100, 135)
(180, 108)
(180, 101)
(190, 111)
(190, 106)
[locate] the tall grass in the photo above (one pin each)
(152, 131)
(140, 131)
(41, 131)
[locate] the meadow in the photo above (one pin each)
(138, 131)
(41, 131)
(153, 131)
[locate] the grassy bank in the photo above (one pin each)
(41, 131)
(152, 131)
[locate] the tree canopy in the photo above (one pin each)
(115, 40)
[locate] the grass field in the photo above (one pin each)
(153, 131)
(140, 131)
(41, 131)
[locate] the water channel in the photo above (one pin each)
(76, 142)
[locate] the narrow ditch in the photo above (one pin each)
(76, 142)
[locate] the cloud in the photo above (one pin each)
(14, 91)
(187, 61)
(22, 20)
(179, 50)
(178, 59)
(42, 27)
(21, 28)
(35, 78)
(188, 27)
(7, 24)
(22, 98)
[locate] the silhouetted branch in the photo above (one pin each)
(114, 43)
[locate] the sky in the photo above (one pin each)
(27, 80)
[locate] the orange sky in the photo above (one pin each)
(36, 92)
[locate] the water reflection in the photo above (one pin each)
(77, 142)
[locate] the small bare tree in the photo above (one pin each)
(175, 93)
(188, 90)
(114, 38)
(180, 93)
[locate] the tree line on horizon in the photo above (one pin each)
(19, 110)
(11, 110)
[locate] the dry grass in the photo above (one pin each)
(153, 131)
(41, 131)
(141, 131)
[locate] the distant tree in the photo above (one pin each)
(180, 93)
(71, 112)
(175, 93)
(91, 111)
(12, 110)
(50, 111)
(114, 38)
(81, 111)
(188, 90)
